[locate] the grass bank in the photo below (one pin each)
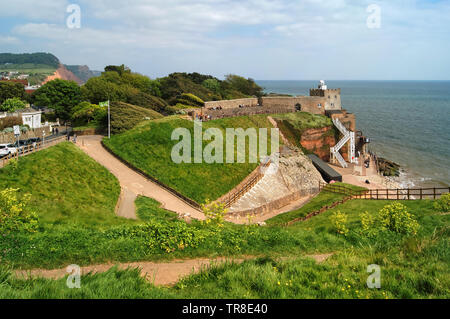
(149, 146)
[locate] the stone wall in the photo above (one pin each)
(10, 138)
(311, 104)
(229, 104)
(332, 97)
(251, 110)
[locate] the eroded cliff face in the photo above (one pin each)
(319, 141)
(64, 74)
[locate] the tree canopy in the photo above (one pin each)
(9, 90)
(11, 105)
(60, 95)
(35, 58)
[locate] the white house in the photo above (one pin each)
(31, 117)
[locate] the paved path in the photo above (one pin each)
(132, 183)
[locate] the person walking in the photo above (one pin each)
(75, 138)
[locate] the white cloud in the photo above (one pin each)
(242, 36)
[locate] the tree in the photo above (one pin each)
(84, 112)
(9, 89)
(246, 86)
(212, 84)
(11, 105)
(121, 69)
(60, 95)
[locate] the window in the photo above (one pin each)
(319, 105)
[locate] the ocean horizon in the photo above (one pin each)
(406, 120)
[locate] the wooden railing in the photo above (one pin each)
(233, 197)
(28, 149)
(387, 194)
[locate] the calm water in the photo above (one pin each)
(407, 121)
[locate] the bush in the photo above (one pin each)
(339, 221)
(11, 105)
(395, 217)
(443, 203)
(189, 99)
(15, 214)
(214, 212)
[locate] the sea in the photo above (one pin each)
(408, 122)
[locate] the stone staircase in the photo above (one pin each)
(295, 174)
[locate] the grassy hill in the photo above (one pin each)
(126, 116)
(66, 186)
(149, 146)
(37, 65)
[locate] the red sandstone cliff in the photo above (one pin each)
(64, 74)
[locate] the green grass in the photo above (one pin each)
(66, 185)
(316, 203)
(148, 209)
(305, 120)
(149, 145)
(411, 266)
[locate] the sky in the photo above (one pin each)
(261, 39)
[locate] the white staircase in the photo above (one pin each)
(348, 136)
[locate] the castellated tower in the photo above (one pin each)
(332, 96)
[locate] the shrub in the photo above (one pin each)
(395, 217)
(15, 214)
(11, 105)
(189, 99)
(214, 212)
(443, 203)
(339, 221)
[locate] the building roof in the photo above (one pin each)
(325, 170)
(27, 110)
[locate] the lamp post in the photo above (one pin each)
(109, 121)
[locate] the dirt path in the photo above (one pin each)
(156, 273)
(132, 183)
(160, 274)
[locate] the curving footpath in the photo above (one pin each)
(132, 183)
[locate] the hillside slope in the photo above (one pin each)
(63, 74)
(149, 147)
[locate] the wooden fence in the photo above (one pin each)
(234, 196)
(387, 194)
(29, 149)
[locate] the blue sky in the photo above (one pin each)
(262, 39)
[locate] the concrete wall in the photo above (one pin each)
(229, 104)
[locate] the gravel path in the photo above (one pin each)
(132, 183)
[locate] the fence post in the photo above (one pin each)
(408, 193)
(397, 195)
(434, 193)
(421, 193)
